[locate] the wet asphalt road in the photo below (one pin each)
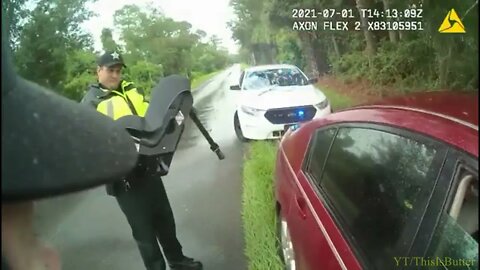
(91, 232)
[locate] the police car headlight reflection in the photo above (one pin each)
(322, 105)
(252, 111)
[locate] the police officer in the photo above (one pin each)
(141, 196)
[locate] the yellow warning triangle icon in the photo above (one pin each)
(452, 23)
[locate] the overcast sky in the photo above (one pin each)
(210, 16)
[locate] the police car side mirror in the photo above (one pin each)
(313, 80)
(235, 87)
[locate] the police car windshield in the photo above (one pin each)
(261, 79)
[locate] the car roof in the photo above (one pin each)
(461, 107)
(450, 117)
(267, 67)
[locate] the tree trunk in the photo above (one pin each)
(371, 47)
(270, 53)
(264, 53)
(444, 68)
(402, 35)
(321, 56)
(308, 50)
(335, 46)
(252, 59)
(392, 33)
(274, 52)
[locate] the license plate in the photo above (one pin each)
(286, 127)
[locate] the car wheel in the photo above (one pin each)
(285, 243)
(238, 129)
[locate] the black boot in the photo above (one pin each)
(159, 265)
(185, 264)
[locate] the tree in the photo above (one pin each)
(48, 37)
(150, 36)
(408, 60)
(80, 73)
(15, 14)
(252, 29)
(371, 45)
(393, 34)
(145, 75)
(52, 50)
(108, 43)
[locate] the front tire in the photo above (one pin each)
(285, 246)
(238, 129)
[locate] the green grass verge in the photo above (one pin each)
(338, 101)
(258, 207)
(196, 82)
(258, 202)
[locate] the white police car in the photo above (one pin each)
(274, 97)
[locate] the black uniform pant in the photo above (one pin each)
(148, 211)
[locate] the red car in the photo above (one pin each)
(388, 185)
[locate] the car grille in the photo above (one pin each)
(290, 115)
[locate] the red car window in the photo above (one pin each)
(377, 183)
(318, 155)
(456, 237)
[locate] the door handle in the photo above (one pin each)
(301, 205)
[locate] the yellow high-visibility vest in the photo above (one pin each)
(118, 104)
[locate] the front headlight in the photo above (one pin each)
(322, 105)
(252, 111)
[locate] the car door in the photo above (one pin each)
(366, 197)
(448, 237)
(311, 248)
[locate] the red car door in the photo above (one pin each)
(315, 246)
(358, 206)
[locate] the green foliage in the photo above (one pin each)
(144, 74)
(353, 65)
(243, 56)
(243, 66)
(406, 60)
(258, 207)
(207, 58)
(52, 50)
(14, 13)
(51, 33)
(108, 43)
(150, 36)
(249, 17)
(337, 100)
(80, 73)
(253, 30)
(199, 79)
(289, 50)
(406, 65)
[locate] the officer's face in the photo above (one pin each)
(110, 76)
(20, 246)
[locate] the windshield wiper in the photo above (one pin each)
(269, 89)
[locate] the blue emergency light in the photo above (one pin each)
(300, 113)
